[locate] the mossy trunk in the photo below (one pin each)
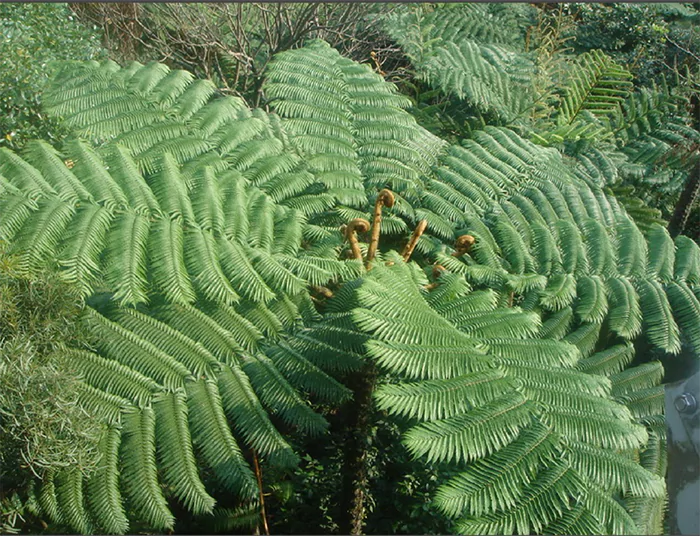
(354, 490)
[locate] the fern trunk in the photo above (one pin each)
(688, 197)
(355, 455)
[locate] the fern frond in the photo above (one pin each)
(135, 352)
(212, 436)
(201, 259)
(40, 236)
(103, 495)
(139, 476)
(276, 393)
(244, 409)
(548, 495)
(609, 361)
(596, 84)
(472, 434)
(686, 311)
(166, 256)
(126, 258)
(175, 452)
(48, 162)
(302, 373)
(441, 399)
(659, 325)
(498, 481)
(82, 246)
(69, 496)
(625, 314)
(592, 304)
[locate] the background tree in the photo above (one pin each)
(34, 36)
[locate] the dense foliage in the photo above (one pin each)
(34, 36)
(43, 426)
(466, 268)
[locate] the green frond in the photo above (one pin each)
(545, 352)
(686, 311)
(23, 175)
(82, 245)
(69, 496)
(111, 377)
(659, 325)
(472, 434)
(40, 235)
(187, 351)
(212, 437)
(513, 247)
(91, 170)
(274, 274)
(584, 338)
(170, 190)
(497, 482)
(126, 258)
(625, 314)
(544, 501)
(501, 323)
(557, 325)
(631, 249)
(559, 292)
(125, 173)
(139, 475)
(687, 267)
(216, 114)
(238, 325)
(577, 520)
(596, 84)
(103, 495)
(166, 260)
(333, 350)
(201, 259)
(662, 253)
(276, 393)
(644, 402)
(101, 403)
(50, 165)
(193, 98)
(239, 270)
(602, 430)
(609, 361)
(441, 399)
(222, 218)
(251, 421)
(47, 497)
(602, 256)
(301, 372)
(615, 519)
(200, 327)
(592, 304)
(544, 247)
(181, 149)
(14, 212)
(635, 378)
(128, 348)
(175, 452)
(171, 87)
(262, 319)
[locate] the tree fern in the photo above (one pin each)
(471, 436)
(197, 264)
